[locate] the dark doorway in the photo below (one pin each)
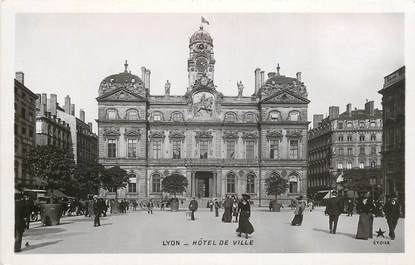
(204, 184)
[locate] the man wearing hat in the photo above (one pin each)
(19, 221)
(97, 210)
(333, 209)
(193, 207)
(392, 213)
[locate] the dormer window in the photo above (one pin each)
(156, 117)
(275, 116)
(230, 117)
(294, 116)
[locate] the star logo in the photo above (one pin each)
(380, 233)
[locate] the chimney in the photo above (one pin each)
(257, 79)
(82, 115)
(317, 118)
(72, 110)
(52, 104)
(143, 76)
(334, 112)
(370, 107)
(148, 72)
(298, 76)
(38, 101)
(262, 78)
(67, 106)
(90, 126)
(20, 77)
(349, 109)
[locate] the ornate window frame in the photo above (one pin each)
(132, 110)
(157, 112)
(248, 120)
(230, 116)
(299, 118)
(276, 112)
(117, 116)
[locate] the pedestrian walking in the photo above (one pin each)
(193, 207)
(150, 206)
(333, 209)
(311, 205)
(96, 208)
(298, 213)
(350, 207)
(227, 214)
(244, 226)
(217, 206)
(211, 205)
(235, 209)
(365, 209)
(19, 221)
(392, 213)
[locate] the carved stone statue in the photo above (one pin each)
(240, 88)
(167, 88)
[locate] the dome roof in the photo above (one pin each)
(123, 77)
(201, 36)
(280, 80)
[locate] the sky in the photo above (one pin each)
(343, 57)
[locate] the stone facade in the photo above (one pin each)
(393, 152)
(24, 128)
(221, 144)
(352, 139)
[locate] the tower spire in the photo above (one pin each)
(278, 68)
(125, 66)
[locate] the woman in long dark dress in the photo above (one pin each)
(298, 213)
(365, 209)
(244, 209)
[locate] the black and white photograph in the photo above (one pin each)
(206, 133)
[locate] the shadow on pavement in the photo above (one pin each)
(43, 231)
(30, 247)
(337, 233)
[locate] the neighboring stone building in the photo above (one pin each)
(24, 128)
(352, 139)
(221, 144)
(393, 152)
(50, 129)
(84, 141)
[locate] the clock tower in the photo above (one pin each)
(201, 61)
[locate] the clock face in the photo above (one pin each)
(201, 64)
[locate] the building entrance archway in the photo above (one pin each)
(204, 184)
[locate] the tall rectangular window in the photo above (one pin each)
(132, 147)
(349, 151)
(250, 184)
(132, 187)
(250, 146)
(230, 149)
(293, 149)
(157, 148)
(204, 149)
(362, 150)
(112, 148)
(341, 151)
(373, 149)
(177, 149)
(293, 187)
(273, 149)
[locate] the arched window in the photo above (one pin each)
(274, 115)
(250, 183)
(112, 114)
(177, 116)
(132, 114)
(132, 183)
(230, 117)
(230, 183)
(373, 163)
(349, 164)
(294, 116)
(250, 117)
(157, 116)
(293, 183)
(373, 137)
(156, 183)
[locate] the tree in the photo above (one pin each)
(87, 178)
(174, 184)
(114, 178)
(276, 185)
(51, 166)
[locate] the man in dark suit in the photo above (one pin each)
(193, 207)
(96, 207)
(392, 213)
(333, 209)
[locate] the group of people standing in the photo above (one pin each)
(232, 207)
(366, 209)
